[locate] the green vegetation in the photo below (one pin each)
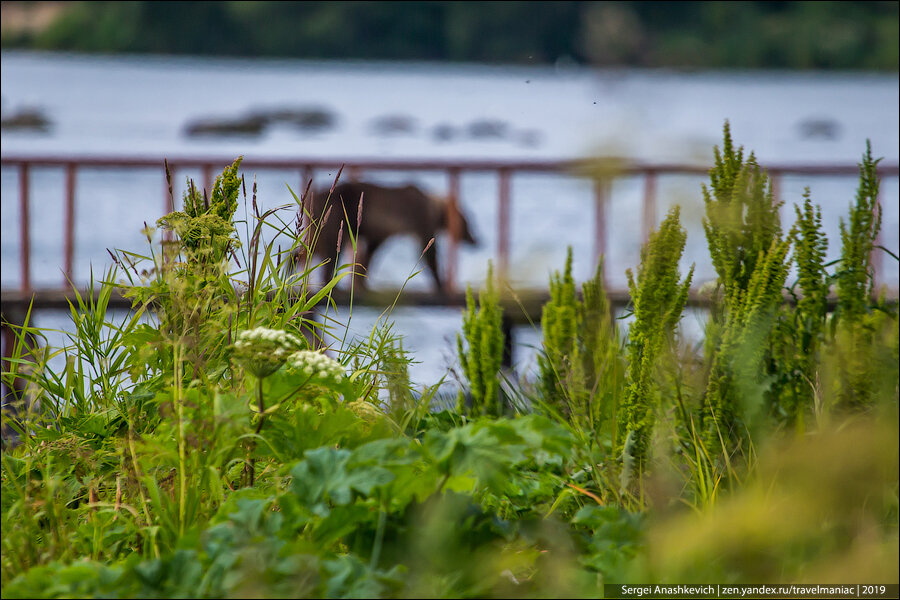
(658, 298)
(204, 446)
(581, 370)
(482, 355)
(559, 323)
(743, 230)
(779, 35)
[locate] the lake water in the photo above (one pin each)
(140, 107)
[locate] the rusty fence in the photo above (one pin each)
(454, 169)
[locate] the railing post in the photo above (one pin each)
(207, 179)
(69, 218)
(601, 197)
(454, 227)
(775, 177)
(503, 224)
(24, 228)
(649, 209)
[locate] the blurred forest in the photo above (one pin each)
(771, 35)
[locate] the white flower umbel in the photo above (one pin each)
(262, 351)
(316, 366)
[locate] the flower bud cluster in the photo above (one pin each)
(365, 410)
(262, 351)
(315, 366)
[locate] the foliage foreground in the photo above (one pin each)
(206, 446)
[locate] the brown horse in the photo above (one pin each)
(386, 212)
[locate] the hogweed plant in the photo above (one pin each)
(261, 352)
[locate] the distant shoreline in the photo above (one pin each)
(833, 36)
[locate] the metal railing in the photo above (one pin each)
(454, 169)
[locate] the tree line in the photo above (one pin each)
(772, 35)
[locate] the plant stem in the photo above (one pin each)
(181, 460)
(139, 477)
(262, 406)
(251, 464)
(379, 536)
(442, 483)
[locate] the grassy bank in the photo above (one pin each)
(214, 449)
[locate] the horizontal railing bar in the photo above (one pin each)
(583, 167)
(521, 306)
